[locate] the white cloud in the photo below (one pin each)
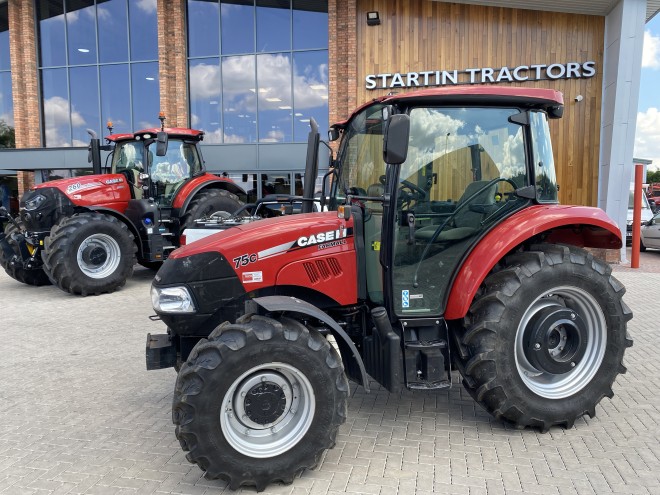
(216, 136)
(651, 52)
(57, 113)
(310, 83)
(103, 14)
(205, 81)
(647, 136)
(148, 6)
(273, 137)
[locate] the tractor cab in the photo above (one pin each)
(153, 175)
(459, 170)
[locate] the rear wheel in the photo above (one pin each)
(89, 253)
(545, 339)
(642, 247)
(207, 202)
(36, 276)
(259, 401)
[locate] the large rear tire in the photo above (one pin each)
(89, 254)
(544, 340)
(36, 276)
(207, 202)
(259, 401)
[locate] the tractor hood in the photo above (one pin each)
(91, 189)
(42, 206)
(273, 237)
(311, 252)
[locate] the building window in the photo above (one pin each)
(98, 62)
(258, 69)
(6, 97)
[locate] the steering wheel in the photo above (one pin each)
(416, 192)
(450, 218)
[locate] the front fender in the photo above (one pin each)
(581, 226)
(295, 305)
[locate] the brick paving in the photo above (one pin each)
(80, 414)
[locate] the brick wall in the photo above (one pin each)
(342, 70)
(173, 64)
(24, 80)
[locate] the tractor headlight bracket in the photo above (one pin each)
(172, 299)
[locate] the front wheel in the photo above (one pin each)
(259, 401)
(544, 341)
(89, 253)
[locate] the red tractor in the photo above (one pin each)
(443, 248)
(85, 234)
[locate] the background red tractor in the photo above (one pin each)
(85, 234)
(444, 248)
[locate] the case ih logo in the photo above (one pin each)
(331, 235)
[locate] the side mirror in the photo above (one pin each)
(333, 134)
(323, 190)
(161, 143)
(395, 143)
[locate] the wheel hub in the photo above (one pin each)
(265, 403)
(555, 340)
(94, 255)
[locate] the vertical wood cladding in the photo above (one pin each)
(419, 35)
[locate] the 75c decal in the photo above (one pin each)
(244, 260)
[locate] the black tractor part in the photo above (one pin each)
(208, 202)
(16, 258)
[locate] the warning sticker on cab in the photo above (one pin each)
(252, 277)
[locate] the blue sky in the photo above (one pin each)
(647, 135)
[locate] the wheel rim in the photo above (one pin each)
(98, 256)
(267, 410)
(576, 336)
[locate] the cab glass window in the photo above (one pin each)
(544, 162)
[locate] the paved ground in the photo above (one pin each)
(79, 414)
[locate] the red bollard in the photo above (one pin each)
(637, 217)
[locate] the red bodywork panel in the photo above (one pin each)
(578, 225)
(313, 250)
(184, 193)
(108, 190)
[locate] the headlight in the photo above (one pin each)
(35, 202)
(172, 300)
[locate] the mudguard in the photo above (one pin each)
(581, 226)
(294, 305)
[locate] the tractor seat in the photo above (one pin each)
(467, 220)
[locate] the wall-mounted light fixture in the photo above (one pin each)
(373, 19)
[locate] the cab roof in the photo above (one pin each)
(471, 95)
(172, 132)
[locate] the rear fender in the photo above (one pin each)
(580, 226)
(207, 181)
(294, 305)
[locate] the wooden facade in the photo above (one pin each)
(421, 35)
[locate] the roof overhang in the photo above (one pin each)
(588, 7)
